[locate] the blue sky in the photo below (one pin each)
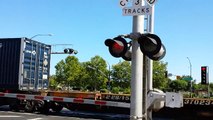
(185, 28)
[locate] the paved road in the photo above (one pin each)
(6, 114)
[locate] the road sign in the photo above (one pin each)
(138, 10)
(151, 2)
(188, 78)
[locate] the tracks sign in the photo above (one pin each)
(139, 10)
(134, 7)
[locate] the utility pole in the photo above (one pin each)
(137, 71)
(190, 76)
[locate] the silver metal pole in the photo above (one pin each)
(137, 72)
(149, 61)
(144, 104)
(41, 35)
(190, 75)
(109, 75)
(190, 66)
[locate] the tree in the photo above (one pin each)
(211, 86)
(179, 85)
(201, 87)
(96, 73)
(53, 84)
(121, 75)
(68, 72)
(72, 70)
(60, 76)
(159, 79)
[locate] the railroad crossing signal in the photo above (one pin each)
(118, 47)
(204, 75)
(150, 45)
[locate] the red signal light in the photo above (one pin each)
(118, 47)
(203, 68)
(204, 75)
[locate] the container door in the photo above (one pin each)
(36, 65)
(44, 66)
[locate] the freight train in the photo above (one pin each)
(24, 81)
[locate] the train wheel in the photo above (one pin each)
(45, 108)
(56, 107)
(14, 105)
(30, 106)
(42, 107)
(39, 105)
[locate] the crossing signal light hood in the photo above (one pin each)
(118, 47)
(151, 46)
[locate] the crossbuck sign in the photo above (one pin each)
(151, 2)
(134, 7)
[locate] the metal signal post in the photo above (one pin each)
(137, 70)
(143, 48)
(149, 78)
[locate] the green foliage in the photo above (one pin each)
(72, 71)
(115, 90)
(126, 91)
(96, 73)
(179, 85)
(53, 83)
(68, 72)
(211, 87)
(104, 91)
(121, 75)
(159, 79)
(200, 87)
(91, 75)
(60, 73)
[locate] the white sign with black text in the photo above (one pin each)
(138, 10)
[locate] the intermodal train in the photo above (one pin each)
(24, 81)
